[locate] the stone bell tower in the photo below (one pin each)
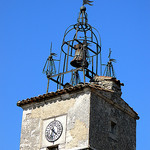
(86, 116)
(86, 113)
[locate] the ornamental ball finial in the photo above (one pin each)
(83, 8)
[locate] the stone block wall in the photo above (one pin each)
(110, 127)
(76, 108)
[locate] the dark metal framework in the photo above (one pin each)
(109, 69)
(87, 37)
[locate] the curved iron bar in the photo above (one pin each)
(87, 41)
(100, 50)
(67, 31)
(78, 24)
(95, 38)
(80, 29)
(83, 30)
(98, 34)
(97, 51)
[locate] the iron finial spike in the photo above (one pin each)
(88, 2)
(51, 48)
(109, 53)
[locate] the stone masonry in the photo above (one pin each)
(94, 116)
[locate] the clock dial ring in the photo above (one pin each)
(53, 131)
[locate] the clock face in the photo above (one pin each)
(53, 131)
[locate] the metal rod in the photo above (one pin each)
(82, 44)
(108, 70)
(90, 71)
(77, 31)
(67, 57)
(70, 45)
(82, 16)
(64, 72)
(48, 66)
(56, 82)
(64, 69)
(100, 64)
(77, 27)
(91, 35)
(84, 75)
(60, 82)
(76, 77)
(59, 62)
(72, 78)
(96, 64)
(92, 67)
(104, 72)
(87, 47)
(113, 71)
(45, 66)
(47, 86)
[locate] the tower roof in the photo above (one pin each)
(96, 88)
(59, 92)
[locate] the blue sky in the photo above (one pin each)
(27, 28)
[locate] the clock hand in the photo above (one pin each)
(54, 131)
(51, 135)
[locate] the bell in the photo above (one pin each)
(78, 60)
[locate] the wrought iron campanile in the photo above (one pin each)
(80, 56)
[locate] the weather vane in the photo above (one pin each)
(49, 67)
(109, 69)
(87, 2)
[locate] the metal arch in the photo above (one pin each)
(67, 29)
(90, 29)
(100, 49)
(67, 33)
(83, 30)
(98, 34)
(95, 37)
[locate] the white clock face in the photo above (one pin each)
(53, 131)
